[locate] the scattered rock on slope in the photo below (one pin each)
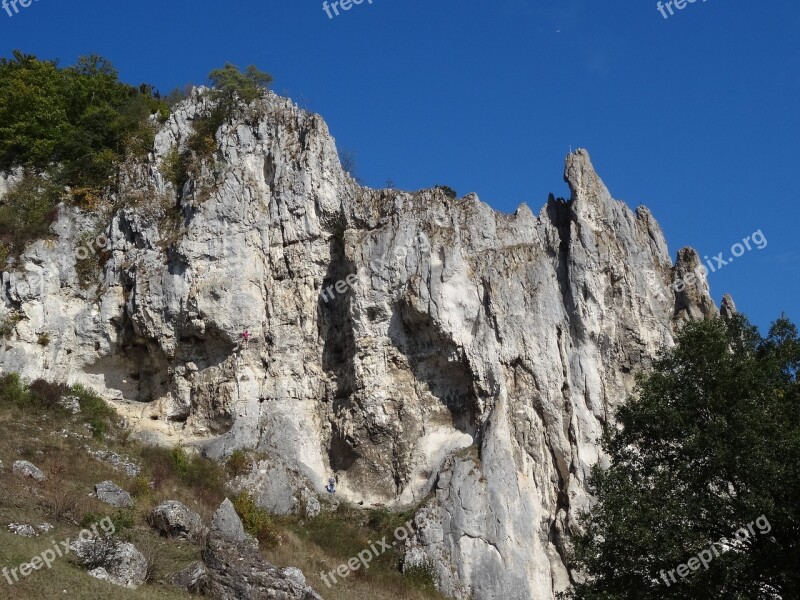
(23, 468)
(112, 494)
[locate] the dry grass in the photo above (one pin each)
(324, 542)
(64, 501)
(312, 545)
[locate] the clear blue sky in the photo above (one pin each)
(695, 116)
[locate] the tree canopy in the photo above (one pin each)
(710, 444)
(231, 82)
(81, 118)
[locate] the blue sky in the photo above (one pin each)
(695, 116)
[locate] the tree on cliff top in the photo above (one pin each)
(247, 85)
(701, 499)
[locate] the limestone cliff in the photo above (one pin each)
(427, 350)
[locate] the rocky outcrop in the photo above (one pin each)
(236, 570)
(425, 349)
(174, 519)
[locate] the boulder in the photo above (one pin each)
(113, 495)
(174, 519)
(112, 560)
(23, 468)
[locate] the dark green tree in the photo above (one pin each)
(710, 443)
(448, 191)
(230, 82)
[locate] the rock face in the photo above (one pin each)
(174, 519)
(421, 348)
(113, 495)
(236, 571)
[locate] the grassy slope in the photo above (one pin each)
(311, 545)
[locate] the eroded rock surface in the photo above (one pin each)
(420, 347)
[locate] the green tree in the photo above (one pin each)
(230, 82)
(710, 443)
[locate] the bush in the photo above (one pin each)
(7, 325)
(27, 212)
(76, 123)
(13, 391)
(46, 395)
(180, 460)
(238, 463)
(92, 406)
(176, 169)
(422, 575)
(203, 141)
(122, 520)
(256, 521)
(204, 476)
(141, 488)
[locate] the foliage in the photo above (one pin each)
(176, 168)
(203, 141)
(711, 442)
(349, 162)
(8, 323)
(82, 118)
(27, 211)
(180, 460)
(448, 191)
(256, 521)
(93, 407)
(231, 83)
(141, 488)
(67, 127)
(204, 476)
(238, 463)
(423, 575)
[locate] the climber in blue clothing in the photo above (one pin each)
(331, 487)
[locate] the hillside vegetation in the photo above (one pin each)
(39, 429)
